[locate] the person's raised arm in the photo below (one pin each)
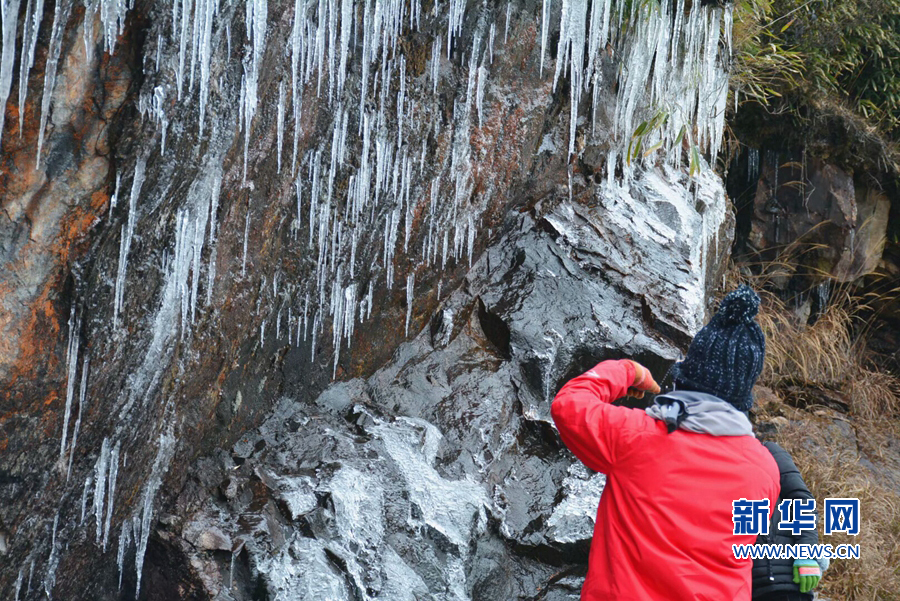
(589, 425)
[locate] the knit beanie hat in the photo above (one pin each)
(726, 356)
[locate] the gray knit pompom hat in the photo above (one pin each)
(726, 356)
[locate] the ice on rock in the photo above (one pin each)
(300, 571)
(450, 507)
(573, 519)
(401, 582)
(358, 513)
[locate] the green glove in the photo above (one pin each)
(807, 574)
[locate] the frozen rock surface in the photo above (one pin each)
(441, 475)
(288, 286)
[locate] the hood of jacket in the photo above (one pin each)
(699, 412)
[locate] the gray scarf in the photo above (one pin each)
(699, 412)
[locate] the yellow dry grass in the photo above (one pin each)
(828, 355)
(852, 453)
(832, 467)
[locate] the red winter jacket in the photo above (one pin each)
(664, 524)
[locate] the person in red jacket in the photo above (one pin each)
(664, 527)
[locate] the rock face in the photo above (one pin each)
(441, 476)
(288, 287)
(815, 213)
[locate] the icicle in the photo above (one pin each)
(209, 9)
(570, 52)
(19, 583)
(246, 235)
(491, 43)
(182, 45)
(100, 469)
(71, 369)
(159, 47)
(52, 562)
(455, 18)
(9, 18)
(479, 94)
(112, 16)
(84, 496)
(410, 284)
(280, 121)
(30, 574)
(435, 63)
(256, 20)
(111, 492)
(160, 467)
(60, 18)
(82, 399)
(347, 21)
(506, 30)
(545, 31)
(34, 12)
(115, 197)
(124, 540)
(125, 241)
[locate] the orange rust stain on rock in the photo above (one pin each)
(51, 398)
(38, 336)
(78, 223)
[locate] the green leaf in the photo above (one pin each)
(653, 148)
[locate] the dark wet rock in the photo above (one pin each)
(441, 472)
(834, 225)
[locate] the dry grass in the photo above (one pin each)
(827, 358)
(839, 418)
(832, 468)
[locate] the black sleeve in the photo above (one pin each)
(792, 487)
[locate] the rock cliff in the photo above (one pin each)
(288, 286)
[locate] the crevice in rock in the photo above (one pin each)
(495, 329)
